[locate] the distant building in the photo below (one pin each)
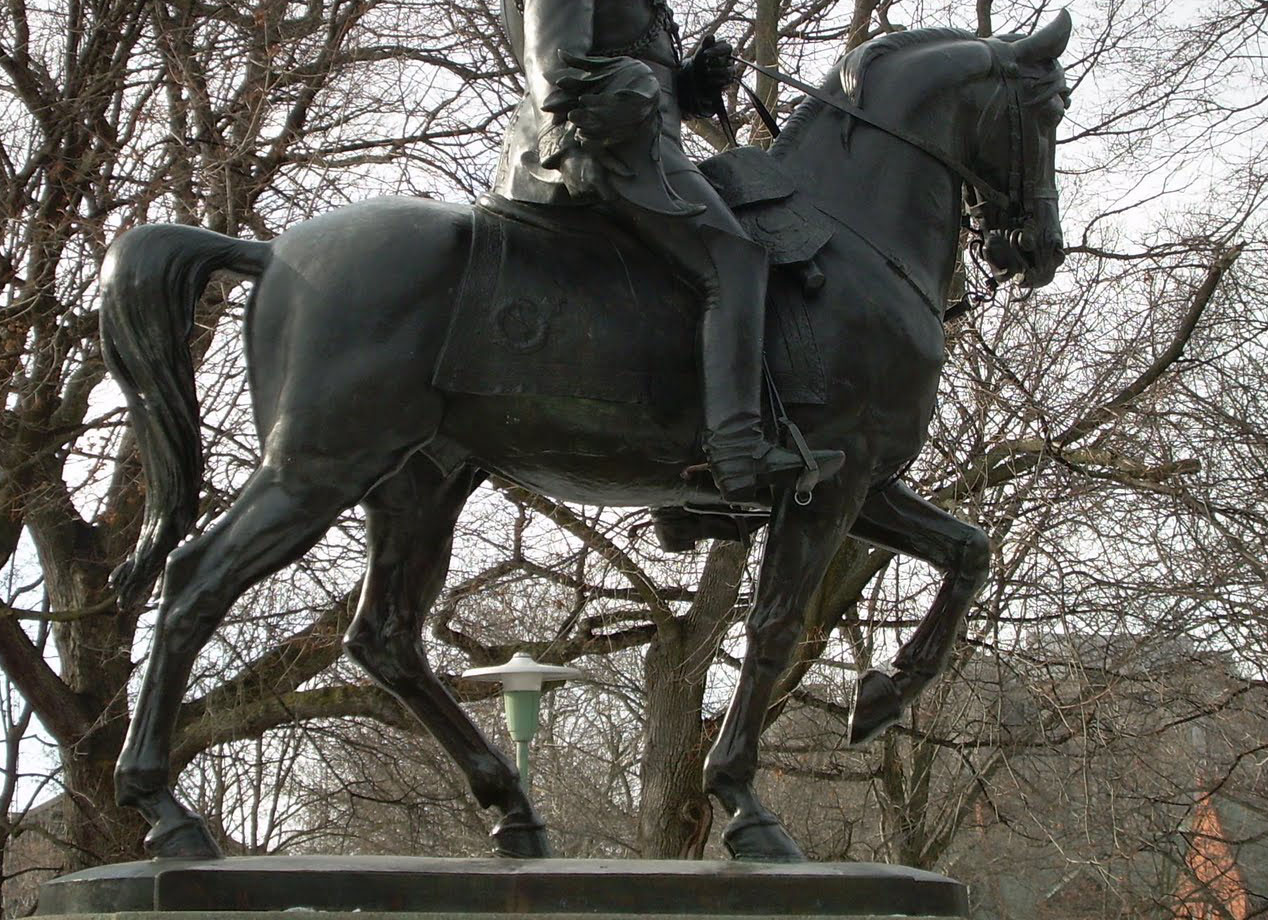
(1226, 862)
(1111, 823)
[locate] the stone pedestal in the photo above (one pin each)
(419, 888)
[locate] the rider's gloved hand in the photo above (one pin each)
(584, 176)
(706, 75)
(715, 70)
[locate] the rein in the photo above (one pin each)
(987, 191)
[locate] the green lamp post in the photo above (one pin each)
(522, 680)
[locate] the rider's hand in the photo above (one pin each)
(713, 68)
(583, 176)
(705, 76)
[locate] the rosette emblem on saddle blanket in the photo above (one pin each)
(559, 302)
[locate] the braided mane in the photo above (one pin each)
(855, 65)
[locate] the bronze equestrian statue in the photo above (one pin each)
(583, 378)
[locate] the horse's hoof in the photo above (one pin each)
(186, 839)
(517, 837)
(878, 704)
(760, 837)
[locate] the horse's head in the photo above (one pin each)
(988, 110)
(1015, 153)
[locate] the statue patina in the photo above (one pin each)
(365, 393)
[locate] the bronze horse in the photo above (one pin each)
(342, 335)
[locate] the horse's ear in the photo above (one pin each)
(1048, 43)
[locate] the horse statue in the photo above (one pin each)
(346, 336)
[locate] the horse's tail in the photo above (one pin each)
(151, 280)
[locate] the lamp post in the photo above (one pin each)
(522, 680)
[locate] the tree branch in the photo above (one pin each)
(54, 703)
(1110, 409)
(658, 609)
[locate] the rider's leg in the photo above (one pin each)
(732, 270)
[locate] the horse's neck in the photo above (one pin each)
(905, 202)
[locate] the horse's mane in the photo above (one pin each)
(855, 64)
(852, 68)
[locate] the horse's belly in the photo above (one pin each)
(585, 451)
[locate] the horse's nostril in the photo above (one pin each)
(1059, 255)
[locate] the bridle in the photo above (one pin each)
(988, 224)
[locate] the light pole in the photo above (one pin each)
(522, 680)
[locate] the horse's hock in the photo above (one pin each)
(419, 888)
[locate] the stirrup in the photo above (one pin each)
(813, 474)
(740, 476)
(818, 466)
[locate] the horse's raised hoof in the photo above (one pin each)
(517, 837)
(878, 704)
(762, 838)
(184, 839)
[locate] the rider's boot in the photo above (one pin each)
(742, 460)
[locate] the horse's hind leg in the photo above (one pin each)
(898, 519)
(409, 522)
(278, 516)
(801, 543)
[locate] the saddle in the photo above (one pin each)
(559, 301)
(772, 210)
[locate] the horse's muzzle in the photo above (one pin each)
(1043, 252)
(1030, 254)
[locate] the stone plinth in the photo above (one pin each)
(388, 887)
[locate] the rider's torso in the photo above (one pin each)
(641, 29)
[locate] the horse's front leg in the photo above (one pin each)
(800, 544)
(898, 519)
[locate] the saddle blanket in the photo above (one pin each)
(568, 305)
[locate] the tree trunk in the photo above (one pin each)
(95, 654)
(674, 813)
(766, 51)
(97, 830)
